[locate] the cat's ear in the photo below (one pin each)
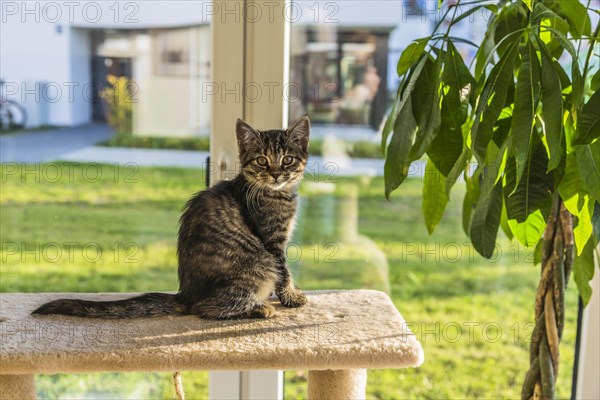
(247, 136)
(299, 133)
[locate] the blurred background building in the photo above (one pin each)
(56, 60)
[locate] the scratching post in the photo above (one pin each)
(336, 336)
(349, 384)
(17, 387)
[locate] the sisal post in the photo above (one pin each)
(17, 387)
(337, 384)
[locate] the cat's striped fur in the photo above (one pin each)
(232, 239)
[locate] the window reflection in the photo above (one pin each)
(342, 73)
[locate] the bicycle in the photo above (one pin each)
(12, 114)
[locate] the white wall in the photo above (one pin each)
(172, 105)
(80, 67)
(45, 50)
(46, 67)
(46, 41)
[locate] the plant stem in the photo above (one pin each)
(443, 18)
(590, 51)
(587, 8)
(450, 24)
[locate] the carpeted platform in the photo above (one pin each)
(336, 330)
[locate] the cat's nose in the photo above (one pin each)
(276, 175)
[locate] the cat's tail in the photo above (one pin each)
(146, 305)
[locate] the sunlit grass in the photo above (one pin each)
(118, 233)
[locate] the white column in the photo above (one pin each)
(226, 88)
(250, 67)
(588, 384)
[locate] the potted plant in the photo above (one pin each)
(523, 132)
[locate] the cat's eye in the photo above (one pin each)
(262, 161)
(287, 160)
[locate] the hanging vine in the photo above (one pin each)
(557, 263)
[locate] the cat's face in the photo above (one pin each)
(273, 159)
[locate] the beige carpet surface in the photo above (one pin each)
(335, 330)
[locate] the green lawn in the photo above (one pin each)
(100, 228)
(358, 149)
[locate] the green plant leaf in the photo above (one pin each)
(565, 81)
(447, 147)
(528, 203)
(589, 121)
(457, 85)
(588, 164)
(595, 84)
(486, 48)
(541, 12)
(577, 80)
(583, 272)
(459, 166)
(397, 162)
(426, 106)
(571, 183)
(504, 223)
(435, 198)
(583, 208)
(529, 4)
(534, 191)
(404, 97)
(528, 232)
(564, 41)
(490, 7)
(493, 166)
(510, 19)
(576, 15)
(544, 17)
(526, 100)
(387, 127)
(486, 221)
(577, 201)
(552, 107)
(409, 86)
(457, 39)
(410, 55)
(491, 102)
(471, 198)
(570, 130)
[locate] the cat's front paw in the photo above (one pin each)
(292, 298)
(263, 311)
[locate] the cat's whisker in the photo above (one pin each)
(254, 195)
(249, 193)
(261, 192)
(258, 195)
(250, 196)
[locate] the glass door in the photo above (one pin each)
(470, 314)
(117, 135)
(126, 100)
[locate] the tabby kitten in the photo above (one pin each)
(232, 239)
